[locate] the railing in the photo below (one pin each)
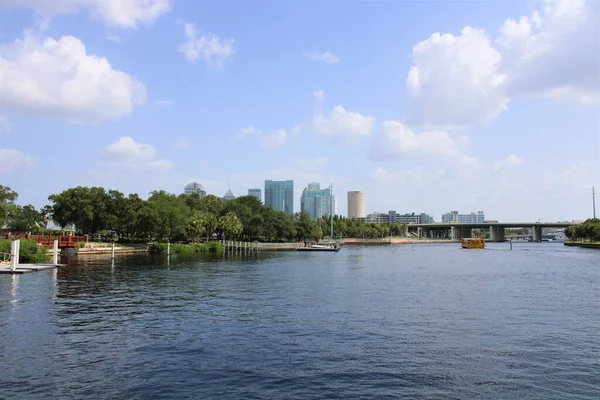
(48, 241)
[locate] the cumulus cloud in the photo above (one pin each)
(326, 57)
(510, 161)
(119, 13)
(127, 155)
(59, 79)
(456, 81)
(215, 51)
(397, 140)
(12, 158)
(344, 124)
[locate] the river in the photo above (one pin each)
(429, 321)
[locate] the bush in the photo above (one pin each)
(179, 248)
(30, 251)
(80, 245)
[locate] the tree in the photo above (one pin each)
(230, 225)
(306, 229)
(195, 227)
(7, 200)
(86, 208)
(24, 219)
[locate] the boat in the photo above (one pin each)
(473, 243)
(319, 247)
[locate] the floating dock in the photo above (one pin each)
(13, 266)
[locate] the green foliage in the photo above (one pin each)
(589, 230)
(80, 245)
(180, 248)
(24, 219)
(30, 251)
(7, 201)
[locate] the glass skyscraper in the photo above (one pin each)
(279, 195)
(317, 202)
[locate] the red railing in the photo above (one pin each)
(48, 240)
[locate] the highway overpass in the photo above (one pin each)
(457, 231)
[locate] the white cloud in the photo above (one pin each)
(58, 79)
(128, 156)
(343, 124)
(326, 57)
(181, 143)
(454, 80)
(215, 51)
(319, 94)
(165, 103)
(120, 13)
(397, 140)
(249, 130)
(12, 158)
(113, 38)
(5, 125)
(457, 81)
(510, 161)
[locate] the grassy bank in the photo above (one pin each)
(587, 245)
(179, 248)
(29, 252)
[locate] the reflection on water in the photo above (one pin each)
(419, 321)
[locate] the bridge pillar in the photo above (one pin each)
(419, 232)
(497, 234)
(536, 233)
(459, 232)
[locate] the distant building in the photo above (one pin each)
(392, 217)
(256, 193)
(356, 204)
(195, 187)
(279, 195)
(472, 218)
(228, 196)
(317, 202)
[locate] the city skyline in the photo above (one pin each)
(494, 106)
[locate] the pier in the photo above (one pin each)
(10, 263)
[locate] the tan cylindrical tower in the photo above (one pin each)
(356, 204)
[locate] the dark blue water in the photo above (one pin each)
(412, 321)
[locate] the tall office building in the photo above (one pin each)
(472, 218)
(317, 202)
(195, 187)
(356, 204)
(279, 195)
(256, 192)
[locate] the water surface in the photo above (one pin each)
(413, 321)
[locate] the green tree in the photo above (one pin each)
(86, 208)
(230, 225)
(24, 219)
(195, 227)
(7, 201)
(306, 229)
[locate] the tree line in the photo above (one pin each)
(589, 231)
(184, 217)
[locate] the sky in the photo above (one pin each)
(425, 106)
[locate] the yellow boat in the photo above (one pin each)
(473, 243)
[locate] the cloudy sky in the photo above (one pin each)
(425, 106)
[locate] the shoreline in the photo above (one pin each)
(583, 244)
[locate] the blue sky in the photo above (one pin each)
(425, 106)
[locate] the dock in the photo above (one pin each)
(12, 265)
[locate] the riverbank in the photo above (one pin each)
(587, 245)
(394, 240)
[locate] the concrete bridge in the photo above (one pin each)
(457, 231)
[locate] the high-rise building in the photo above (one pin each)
(279, 195)
(317, 202)
(356, 204)
(256, 192)
(228, 196)
(472, 218)
(195, 187)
